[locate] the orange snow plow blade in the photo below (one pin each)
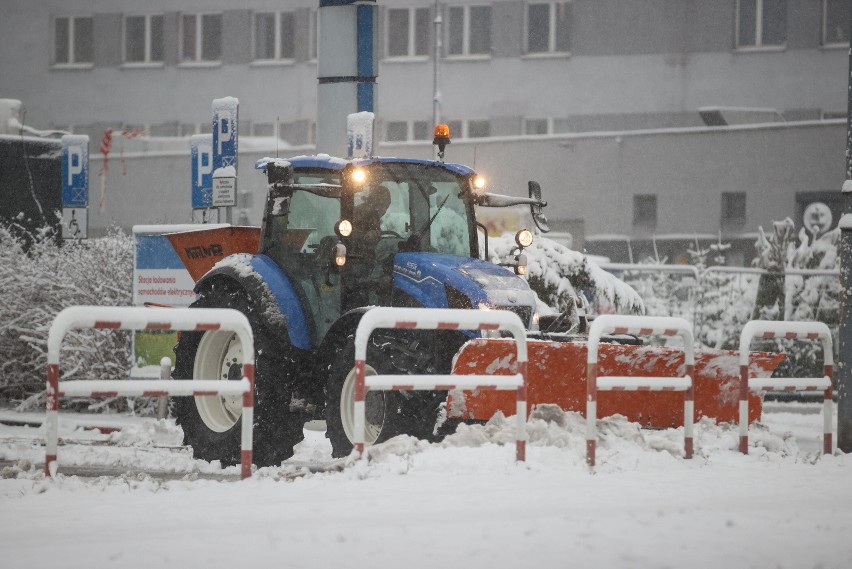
(557, 375)
(201, 249)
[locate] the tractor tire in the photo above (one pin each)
(211, 424)
(388, 413)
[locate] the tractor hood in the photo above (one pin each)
(439, 280)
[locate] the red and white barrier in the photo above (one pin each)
(793, 331)
(440, 319)
(140, 318)
(638, 326)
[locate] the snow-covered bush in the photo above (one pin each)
(38, 280)
(719, 303)
(556, 273)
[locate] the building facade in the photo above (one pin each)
(528, 82)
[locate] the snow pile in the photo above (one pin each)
(464, 502)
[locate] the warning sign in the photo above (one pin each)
(224, 192)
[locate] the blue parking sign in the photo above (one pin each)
(75, 170)
(225, 112)
(201, 153)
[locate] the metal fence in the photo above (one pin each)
(719, 300)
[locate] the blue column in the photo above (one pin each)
(346, 68)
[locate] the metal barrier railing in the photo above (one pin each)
(439, 319)
(638, 326)
(793, 331)
(140, 318)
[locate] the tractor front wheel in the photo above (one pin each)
(387, 413)
(212, 424)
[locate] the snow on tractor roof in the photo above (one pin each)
(324, 161)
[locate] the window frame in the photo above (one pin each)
(466, 33)
(552, 50)
(277, 58)
(411, 44)
(148, 42)
(759, 44)
(198, 60)
(70, 44)
(825, 43)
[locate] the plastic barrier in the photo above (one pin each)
(139, 318)
(793, 331)
(639, 326)
(440, 319)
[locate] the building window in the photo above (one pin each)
(548, 27)
(313, 37)
(143, 39)
(733, 208)
(561, 125)
(645, 211)
(761, 23)
(201, 37)
(455, 129)
(396, 131)
(469, 30)
(535, 126)
(73, 40)
(163, 129)
(478, 128)
(835, 22)
(420, 130)
(408, 32)
(265, 129)
(273, 36)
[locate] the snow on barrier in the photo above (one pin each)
(638, 326)
(440, 319)
(793, 331)
(140, 318)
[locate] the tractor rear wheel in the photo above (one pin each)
(388, 413)
(211, 424)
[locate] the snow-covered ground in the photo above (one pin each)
(461, 503)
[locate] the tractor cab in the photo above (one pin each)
(334, 226)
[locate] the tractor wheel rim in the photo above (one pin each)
(217, 354)
(374, 405)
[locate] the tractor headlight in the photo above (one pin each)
(359, 176)
(340, 255)
(343, 228)
(479, 183)
(524, 238)
(521, 265)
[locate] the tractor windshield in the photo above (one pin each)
(427, 207)
(299, 222)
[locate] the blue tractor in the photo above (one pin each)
(338, 237)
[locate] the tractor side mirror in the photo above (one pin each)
(536, 207)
